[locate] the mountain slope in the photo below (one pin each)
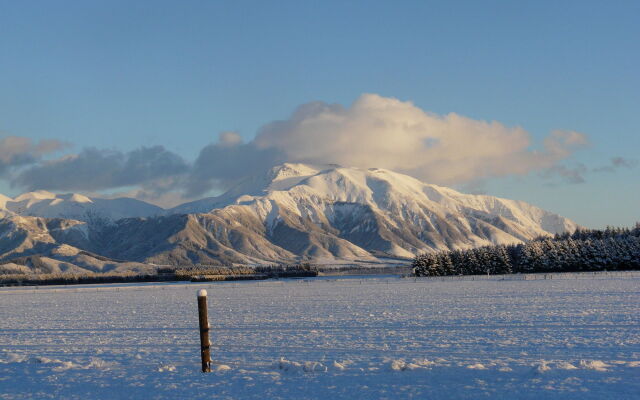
(51, 245)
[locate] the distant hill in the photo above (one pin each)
(75, 206)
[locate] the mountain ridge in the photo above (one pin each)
(42, 203)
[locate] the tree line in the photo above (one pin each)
(582, 250)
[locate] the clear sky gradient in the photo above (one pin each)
(123, 74)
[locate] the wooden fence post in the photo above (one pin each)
(205, 344)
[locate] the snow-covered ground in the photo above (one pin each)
(369, 338)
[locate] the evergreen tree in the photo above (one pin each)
(584, 250)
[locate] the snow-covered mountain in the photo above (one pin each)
(330, 211)
(75, 206)
(293, 212)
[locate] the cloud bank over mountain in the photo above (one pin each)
(374, 131)
(95, 169)
(18, 151)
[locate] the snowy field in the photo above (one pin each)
(369, 338)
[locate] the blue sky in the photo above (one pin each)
(120, 75)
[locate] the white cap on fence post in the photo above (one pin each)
(202, 293)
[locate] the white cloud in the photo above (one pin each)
(384, 132)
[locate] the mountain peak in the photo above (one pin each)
(293, 170)
(75, 197)
(36, 195)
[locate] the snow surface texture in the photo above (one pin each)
(370, 338)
